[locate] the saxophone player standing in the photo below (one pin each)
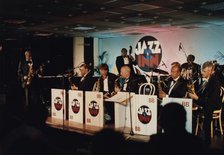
(27, 75)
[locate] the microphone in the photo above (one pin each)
(71, 69)
(180, 46)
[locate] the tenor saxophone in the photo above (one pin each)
(29, 75)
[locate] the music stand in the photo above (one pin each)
(131, 132)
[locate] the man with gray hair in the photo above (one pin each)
(208, 96)
(130, 83)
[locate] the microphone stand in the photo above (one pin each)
(64, 99)
(129, 95)
(181, 47)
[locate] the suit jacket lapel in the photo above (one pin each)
(178, 82)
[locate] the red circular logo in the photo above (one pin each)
(148, 53)
(93, 108)
(58, 103)
(144, 114)
(75, 106)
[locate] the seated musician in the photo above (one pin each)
(175, 86)
(106, 81)
(207, 96)
(130, 83)
(86, 82)
(105, 84)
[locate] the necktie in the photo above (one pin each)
(203, 85)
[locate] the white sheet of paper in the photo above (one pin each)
(120, 97)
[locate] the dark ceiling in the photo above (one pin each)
(105, 18)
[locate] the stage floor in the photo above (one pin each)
(217, 141)
(91, 130)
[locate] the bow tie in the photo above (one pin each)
(174, 81)
(126, 80)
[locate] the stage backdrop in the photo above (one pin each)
(154, 49)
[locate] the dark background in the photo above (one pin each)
(56, 53)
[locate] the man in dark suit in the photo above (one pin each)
(175, 86)
(106, 84)
(106, 81)
(208, 96)
(28, 72)
(192, 69)
(86, 82)
(129, 82)
(125, 59)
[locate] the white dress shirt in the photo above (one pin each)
(173, 84)
(126, 60)
(105, 84)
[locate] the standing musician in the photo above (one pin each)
(125, 59)
(208, 96)
(175, 86)
(86, 82)
(192, 69)
(105, 84)
(28, 76)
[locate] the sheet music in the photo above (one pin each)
(121, 98)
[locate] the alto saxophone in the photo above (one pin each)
(116, 87)
(96, 86)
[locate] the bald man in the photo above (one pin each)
(176, 86)
(130, 83)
